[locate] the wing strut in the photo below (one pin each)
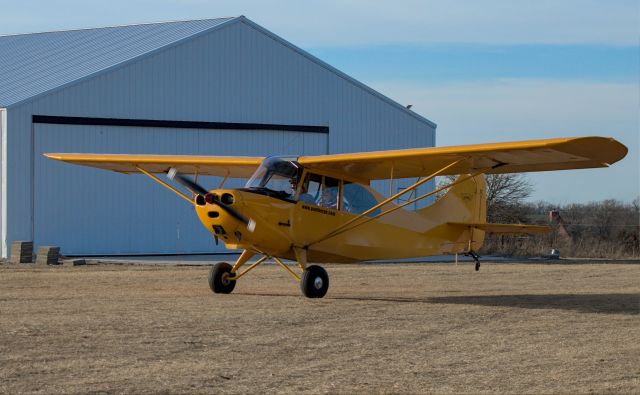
(382, 203)
(345, 227)
(164, 184)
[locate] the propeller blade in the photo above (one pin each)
(248, 222)
(186, 182)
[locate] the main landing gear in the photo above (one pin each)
(314, 281)
(220, 278)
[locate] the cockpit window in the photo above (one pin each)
(320, 191)
(330, 193)
(356, 199)
(280, 178)
(311, 189)
(276, 175)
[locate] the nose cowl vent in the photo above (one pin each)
(227, 198)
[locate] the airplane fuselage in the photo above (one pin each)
(282, 226)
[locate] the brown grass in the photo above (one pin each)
(381, 329)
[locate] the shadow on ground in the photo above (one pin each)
(584, 303)
(627, 303)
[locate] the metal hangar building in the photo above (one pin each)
(223, 86)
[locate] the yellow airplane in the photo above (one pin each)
(314, 209)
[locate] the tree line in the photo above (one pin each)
(604, 229)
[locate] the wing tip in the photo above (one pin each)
(53, 156)
(615, 150)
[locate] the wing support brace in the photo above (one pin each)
(345, 227)
(340, 228)
(164, 184)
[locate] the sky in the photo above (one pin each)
(484, 71)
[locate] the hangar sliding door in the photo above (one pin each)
(89, 211)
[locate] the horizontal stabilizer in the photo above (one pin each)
(505, 228)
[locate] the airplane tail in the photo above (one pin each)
(464, 203)
(462, 214)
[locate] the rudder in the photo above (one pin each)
(465, 202)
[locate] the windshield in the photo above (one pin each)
(277, 175)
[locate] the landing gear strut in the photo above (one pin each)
(314, 281)
(475, 257)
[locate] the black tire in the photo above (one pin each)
(218, 278)
(314, 282)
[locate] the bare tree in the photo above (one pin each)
(607, 228)
(505, 195)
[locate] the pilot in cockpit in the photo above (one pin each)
(305, 196)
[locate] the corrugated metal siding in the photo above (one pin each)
(3, 128)
(34, 63)
(235, 74)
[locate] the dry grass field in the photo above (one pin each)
(411, 328)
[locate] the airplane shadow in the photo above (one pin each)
(610, 303)
(583, 303)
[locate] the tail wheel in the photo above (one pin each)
(314, 282)
(219, 278)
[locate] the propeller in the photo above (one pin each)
(186, 182)
(210, 198)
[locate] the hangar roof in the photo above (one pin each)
(31, 64)
(36, 63)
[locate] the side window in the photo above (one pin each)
(311, 191)
(330, 193)
(356, 199)
(320, 191)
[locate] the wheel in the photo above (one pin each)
(314, 282)
(219, 278)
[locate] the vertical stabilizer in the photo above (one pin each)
(463, 203)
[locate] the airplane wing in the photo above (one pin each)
(505, 228)
(231, 166)
(509, 157)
